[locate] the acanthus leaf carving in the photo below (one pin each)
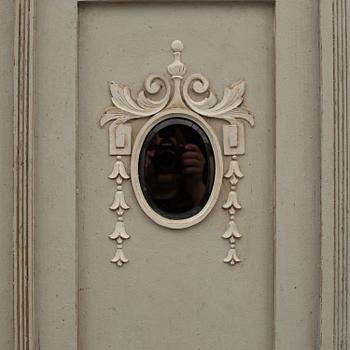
(228, 109)
(126, 108)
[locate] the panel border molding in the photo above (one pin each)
(335, 99)
(23, 215)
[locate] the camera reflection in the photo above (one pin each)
(174, 169)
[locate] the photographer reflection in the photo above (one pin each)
(174, 169)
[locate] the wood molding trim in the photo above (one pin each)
(335, 175)
(23, 176)
(341, 176)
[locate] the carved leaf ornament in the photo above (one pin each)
(190, 94)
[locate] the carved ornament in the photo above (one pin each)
(161, 98)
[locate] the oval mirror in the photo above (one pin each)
(176, 168)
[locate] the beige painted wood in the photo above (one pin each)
(55, 181)
(172, 1)
(297, 246)
(61, 267)
(85, 255)
(6, 173)
(335, 308)
(23, 166)
(175, 292)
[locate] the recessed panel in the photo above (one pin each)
(176, 292)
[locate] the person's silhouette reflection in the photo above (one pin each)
(174, 167)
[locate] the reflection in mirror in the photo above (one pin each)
(177, 168)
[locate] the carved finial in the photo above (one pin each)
(177, 46)
(177, 69)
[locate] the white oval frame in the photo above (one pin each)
(157, 218)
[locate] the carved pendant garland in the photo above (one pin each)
(119, 206)
(161, 97)
(232, 205)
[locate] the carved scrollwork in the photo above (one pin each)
(159, 96)
(125, 108)
(229, 108)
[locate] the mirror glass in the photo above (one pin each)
(177, 168)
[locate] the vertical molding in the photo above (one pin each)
(23, 177)
(335, 175)
(297, 177)
(341, 173)
(340, 186)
